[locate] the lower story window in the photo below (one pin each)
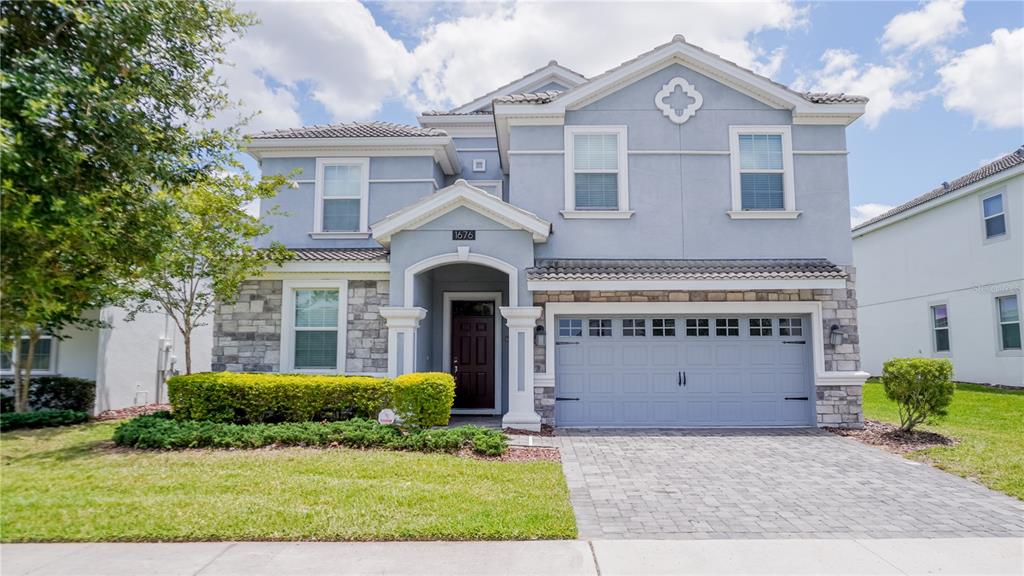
(940, 328)
(42, 355)
(1009, 322)
(316, 329)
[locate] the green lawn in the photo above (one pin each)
(69, 484)
(989, 424)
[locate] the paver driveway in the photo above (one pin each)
(801, 483)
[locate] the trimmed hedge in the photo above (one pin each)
(921, 387)
(53, 393)
(420, 399)
(41, 419)
(160, 431)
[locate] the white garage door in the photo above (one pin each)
(683, 371)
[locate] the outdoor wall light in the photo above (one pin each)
(835, 336)
(538, 336)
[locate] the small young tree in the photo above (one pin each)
(210, 251)
(921, 387)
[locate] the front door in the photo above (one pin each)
(472, 360)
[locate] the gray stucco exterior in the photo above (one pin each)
(680, 193)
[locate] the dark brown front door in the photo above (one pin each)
(472, 358)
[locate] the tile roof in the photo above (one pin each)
(450, 113)
(340, 254)
(1012, 159)
(529, 98)
(507, 85)
(833, 98)
(352, 130)
(683, 269)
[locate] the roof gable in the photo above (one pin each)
(540, 79)
(458, 195)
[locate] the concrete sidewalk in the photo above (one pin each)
(973, 556)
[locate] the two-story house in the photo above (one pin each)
(665, 244)
(942, 276)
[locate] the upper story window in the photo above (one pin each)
(42, 355)
(762, 172)
(596, 182)
(1009, 322)
(342, 191)
(940, 328)
(994, 215)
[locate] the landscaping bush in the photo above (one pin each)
(921, 387)
(160, 431)
(41, 419)
(420, 400)
(53, 393)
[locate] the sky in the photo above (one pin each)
(945, 77)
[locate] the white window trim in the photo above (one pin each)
(1006, 217)
(789, 210)
(49, 370)
(1000, 351)
(623, 211)
(288, 323)
(364, 197)
(479, 165)
(931, 326)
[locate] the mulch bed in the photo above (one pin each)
(520, 454)
(545, 430)
(889, 437)
(133, 411)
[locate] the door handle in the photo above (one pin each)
(455, 365)
(682, 379)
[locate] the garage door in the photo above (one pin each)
(683, 371)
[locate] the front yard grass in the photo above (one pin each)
(70, 484)
(989, 423)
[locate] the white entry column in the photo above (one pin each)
(402, 323)
(521, 413)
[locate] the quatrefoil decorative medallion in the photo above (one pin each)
(660, 100)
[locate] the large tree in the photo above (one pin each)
(101, 105)
(209, 252)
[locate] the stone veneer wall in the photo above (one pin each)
(836, 405)
(367, 350)
(247, 334)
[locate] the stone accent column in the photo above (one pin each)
(521, 321)
(402, 324)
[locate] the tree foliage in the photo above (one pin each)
(921, 387)
(101, 105)
(209, 252)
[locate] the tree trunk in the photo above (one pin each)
(187, 335)
(23, 371)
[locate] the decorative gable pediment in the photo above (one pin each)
(461, 194)
(663, 100)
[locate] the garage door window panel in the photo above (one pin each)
(760, 326)
(727, 327)
(698, 327)
(600, 327)
(791, 327)
(634, 327)
(663, 327)
(570, 328)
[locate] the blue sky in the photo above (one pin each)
(946, 77)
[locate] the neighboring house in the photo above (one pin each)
(128, 360)
(665, 244)
(943, 275)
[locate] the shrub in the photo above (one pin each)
(41, 419)
(160, 431)
(420, 400)
(921, 387)
(54, 393)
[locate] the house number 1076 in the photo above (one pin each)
(463, 234)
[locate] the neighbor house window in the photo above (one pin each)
(663, 327)
(994, 216)
(762, 172)
(342, 189)
(727, 326)
(940, 328)
(313, 338)
(570, 327)
(698, 327)
(595, 180)
(634, 327)
(1009, 322)
(600, 327)
(42, 355)
(760, 326)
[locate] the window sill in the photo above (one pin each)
(597, 214)
(337, 235)
(763, 214)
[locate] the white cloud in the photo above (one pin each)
(336, 51)
(863, 212)
(456, 58)
(885, 85)
(987, 81)
(930, 26)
